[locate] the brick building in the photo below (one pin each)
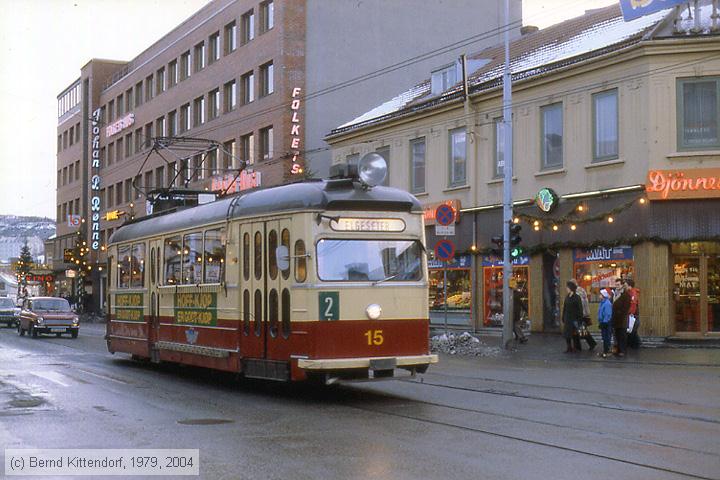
(262, 82)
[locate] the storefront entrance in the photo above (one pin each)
(696, 288)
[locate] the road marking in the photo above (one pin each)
(52, 376)
(104, 377)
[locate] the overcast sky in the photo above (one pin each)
(44, 43)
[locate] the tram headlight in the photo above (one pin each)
(372, 169)
(373, 311)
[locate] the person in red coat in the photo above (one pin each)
(633, 337)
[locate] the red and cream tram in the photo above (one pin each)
(321, 279)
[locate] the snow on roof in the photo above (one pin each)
(596, 30)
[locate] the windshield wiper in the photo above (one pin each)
(387, 278)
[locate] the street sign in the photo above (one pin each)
(445, 250)
(444, 215)
(444, 230)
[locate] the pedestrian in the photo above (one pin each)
(518, 307)
(604, 321)
(618, 289)
(572, 317)
(620, 312)
(586, 320)
(633, 337)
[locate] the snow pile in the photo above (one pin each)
(462, 344)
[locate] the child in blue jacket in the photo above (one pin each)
(604, 316)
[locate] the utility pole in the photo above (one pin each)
(507, 187)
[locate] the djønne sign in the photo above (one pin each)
(683, 184)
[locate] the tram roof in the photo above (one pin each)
(313, 195)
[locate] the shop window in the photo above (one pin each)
(597, 268)
(214, 256)
(286, 327)
(137, 266)
(459, 289)
(124, 266)
(686, 293)
(273, 312)
(192, 258)
(300, 262)
(172, 253)
(258, 312)
(493, 292)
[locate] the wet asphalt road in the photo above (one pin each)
(535, 414)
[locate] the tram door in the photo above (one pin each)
(263, 288)
(154, 294)
(277, 293)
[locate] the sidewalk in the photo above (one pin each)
(551, 348)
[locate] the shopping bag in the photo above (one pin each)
(631, 323)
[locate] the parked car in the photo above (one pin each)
(47, 315)
(8, 311)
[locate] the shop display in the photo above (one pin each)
(598, 268)
(493, 298)
(459, 291)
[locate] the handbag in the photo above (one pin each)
(587, 320)
(631, 323)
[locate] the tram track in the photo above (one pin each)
(492, 391)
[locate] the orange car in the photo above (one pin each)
(47, 315)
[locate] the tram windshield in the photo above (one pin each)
(369, 260)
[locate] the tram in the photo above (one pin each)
(318, 280)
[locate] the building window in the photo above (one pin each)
(214, 46)
(138, 140)
(128, 190)
(119, 149)
(147, 141)
(230, 37)
(499, 148)
(266, 143)
(552, 136)
(119, 102)
(213, 104)
(173, 72)
(77, 132)
(605, 125)
(160, 127)
(247, 27)
(172, 124)
(184, 66)
(267, 79)
(199, 111)
(247, 88)
(697, 113)
(59, 143)
(111, 195)
(229, 155)
(118, 193)
(230, 96)
(110, 154)
(128, 145)
(385, 153)
(149, 88)
(111, 110)
(138, 94)
(417, 165)
(247, 149)
(160, 81)
(71, 172)
(211, 163)
(199, 56)
(444, 78)
(71, 136)
(128, 100)
(184, 118)
(267, 16)
(458, 157)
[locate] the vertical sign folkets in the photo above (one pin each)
(95, 182)
(296, 168)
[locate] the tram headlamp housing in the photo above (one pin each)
(40, 320)
(372, 169)
(373, 311)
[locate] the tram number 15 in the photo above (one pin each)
(374, 337)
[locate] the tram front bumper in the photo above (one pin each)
(372, 363)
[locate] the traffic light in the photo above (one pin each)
(515, 249)
(497, 250)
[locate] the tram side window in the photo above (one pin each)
(246, 312)
(137, 265)
(285, 241)
(124, 266)
(273, 312)
(192, 258)
(286, 313)
(300, 261)
(214, 256)
(173, 255)
(246, 256)
(272, 261)
(258, 312)
(258, 255)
